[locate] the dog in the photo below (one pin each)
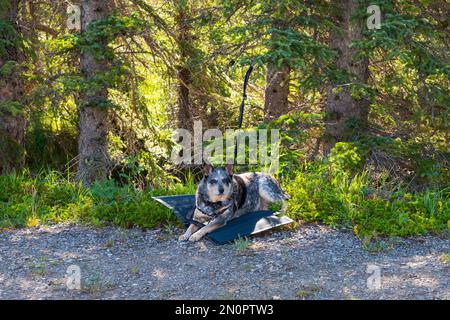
(222, 196)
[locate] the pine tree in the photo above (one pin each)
(12, 120)
(345, 112)
(277, 81)
(93, 114)
(184, 76)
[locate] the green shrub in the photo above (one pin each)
(51, 198)
(321, 193)
(344, 157)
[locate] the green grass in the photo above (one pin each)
(241, 245)
(444, 258)
(27, 201)
(308, 291)
(322, 193)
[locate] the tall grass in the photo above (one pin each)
(27, 200)
(335, 197)
(319, 192)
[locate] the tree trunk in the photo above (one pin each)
(93, 121)
(277, 78)
(12, 120)
(345, 114)
(184, 116)
(276, 92)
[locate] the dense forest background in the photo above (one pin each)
(87, 116)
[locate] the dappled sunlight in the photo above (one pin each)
(326, 120)
(301, 264)
(417, 262)
(159, 274)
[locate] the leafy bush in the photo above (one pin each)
(340, 191)
(344, 156)
(335, 197)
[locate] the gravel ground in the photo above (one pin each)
(310, 262)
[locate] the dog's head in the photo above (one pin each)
(218, 182)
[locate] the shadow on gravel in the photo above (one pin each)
(311, 262)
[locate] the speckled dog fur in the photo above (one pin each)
(234, 194)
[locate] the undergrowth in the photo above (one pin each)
(29, 200)
(338, 191)
(333, 193)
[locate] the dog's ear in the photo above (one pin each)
(229, 169)
(207, 169)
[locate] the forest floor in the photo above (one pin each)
(309, 262)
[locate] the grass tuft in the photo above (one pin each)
(28, 200)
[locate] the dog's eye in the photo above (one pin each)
(226, 180)
(213, 181)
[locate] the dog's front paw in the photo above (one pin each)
(195, 237)
(184, 237)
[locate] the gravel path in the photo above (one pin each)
(310, 262)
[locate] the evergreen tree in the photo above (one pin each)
(93, 121)
(12, 118)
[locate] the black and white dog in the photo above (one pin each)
(222, 196)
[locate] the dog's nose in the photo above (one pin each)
(221, 190)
